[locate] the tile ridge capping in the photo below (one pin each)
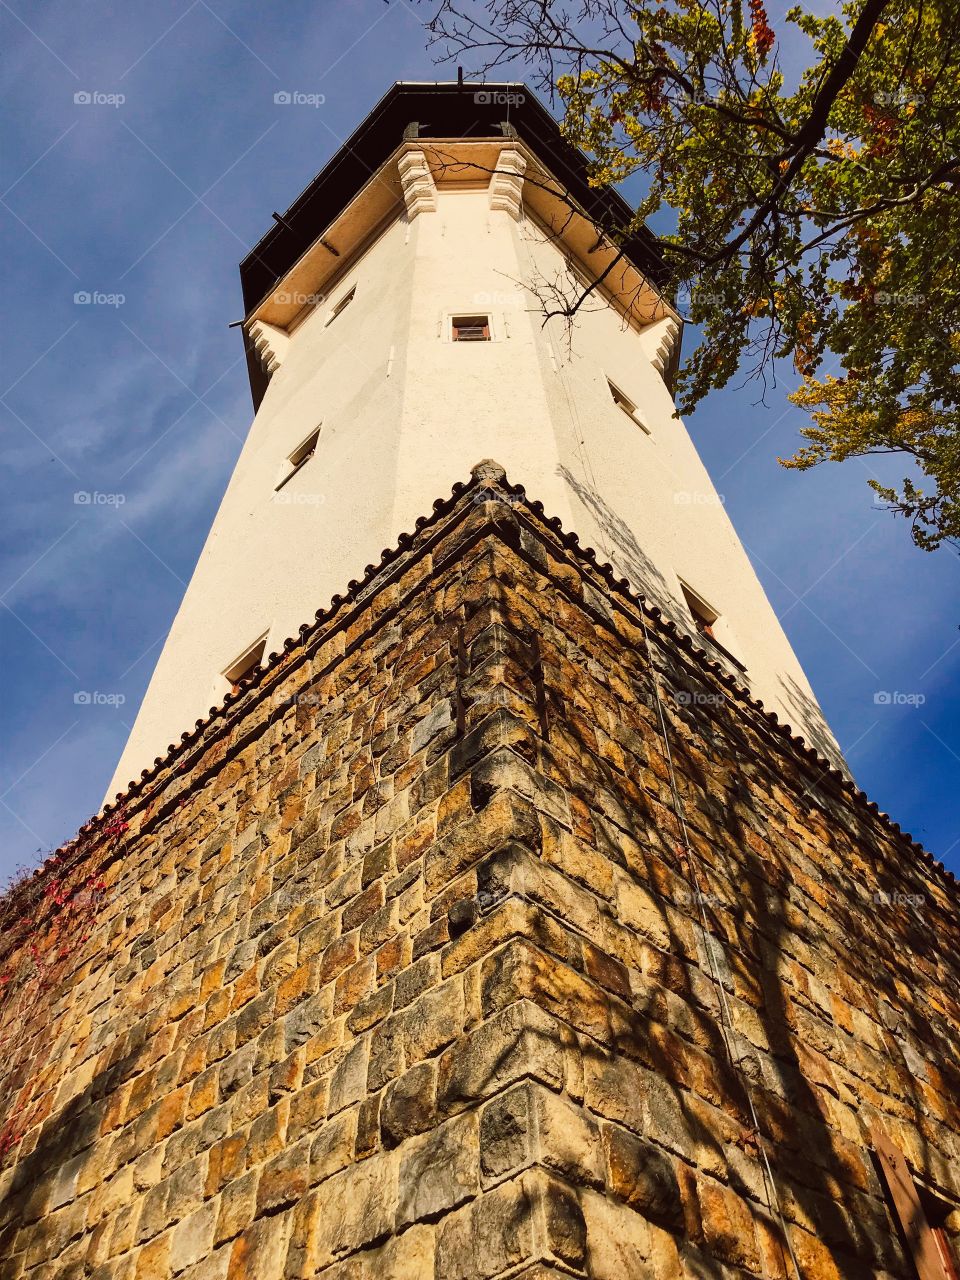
(485, 475)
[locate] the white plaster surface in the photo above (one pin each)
(406, 413)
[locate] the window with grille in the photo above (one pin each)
(470, 329)
(705, 619)
(246, 665)
(703, 616)
(300, 457)
(623, 401)
(341, 305)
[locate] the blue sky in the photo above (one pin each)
(144, 402)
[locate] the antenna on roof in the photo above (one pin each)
(459, 77)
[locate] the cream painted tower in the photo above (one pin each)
(395, 335)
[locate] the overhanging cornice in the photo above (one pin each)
(472, 110)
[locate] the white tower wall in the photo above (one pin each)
(404, 412)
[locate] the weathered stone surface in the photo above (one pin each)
(284, 1179)
(618, 1242)
(531, 1125)
(358, 1207)
(193, 1237)
(409, 1105)
(238, 1206)
(487, 1237)
(439, 1171)
(643, 1175)
(261, 1250)
(369, 1000)
(519, 1041)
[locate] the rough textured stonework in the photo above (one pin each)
(402, 968)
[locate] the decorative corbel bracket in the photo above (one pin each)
(270, 344)
(506, 185)
(419, 188)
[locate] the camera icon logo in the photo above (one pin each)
(82, 298)
(83, 98)
(282, 99)
(483, 98)
(82, 698)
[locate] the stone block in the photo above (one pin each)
(237, 1206)
(439, 1170)
(530, 1125)
(333, 1147)
(193, 1237)
(618, 1242)
(432, 1021)
(507, 817)
(521, 971)
(153, 1260)
(226, 1161)
(261, 1250)
(519, 1041)
(406, 1257)
(409, 1104)
(530, 1217)
(642, 1175)
(284, 1179)
(349, 1081)
(358, 1208)
(268, 1134)
(727, 1225)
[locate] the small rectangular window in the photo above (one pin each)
(341, 305)
(703, 616)
(470, 328)
(623, 401)
(300, 457)
(246, 665)
(705, 619)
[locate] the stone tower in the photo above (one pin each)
(492, 929)
(370, 402)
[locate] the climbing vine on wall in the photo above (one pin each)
(45, 920)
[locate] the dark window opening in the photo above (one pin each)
(705, 619)
(471, 328)
(703, 616)
(339, 306)
(623, 401)
(245, 666)
(300, 456)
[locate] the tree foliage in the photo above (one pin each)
(811, 176)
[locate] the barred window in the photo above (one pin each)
(471, 328)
